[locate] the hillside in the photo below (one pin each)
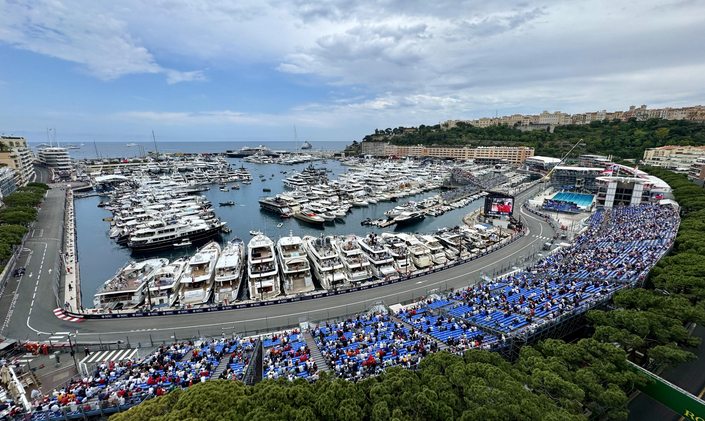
(624, 140)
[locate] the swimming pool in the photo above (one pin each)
(583, 200)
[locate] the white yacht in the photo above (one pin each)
(296, 270)
(327, 265)
(453, 242)
(381, 260)
(228, 272)
(197, 280)
(127, 288)
(355, 262)
(400, 253)
(164, 290)
(163, 234)
(438, 253)
(262, 268)
(419, 253)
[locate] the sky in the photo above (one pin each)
(243, 70)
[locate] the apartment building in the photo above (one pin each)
(15, 154)
(678, 158)
(511, 154)
(7, 181)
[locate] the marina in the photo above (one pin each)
(329, 218)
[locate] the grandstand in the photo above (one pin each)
(616, 250)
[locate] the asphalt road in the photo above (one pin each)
(32, 317)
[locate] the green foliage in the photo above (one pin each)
(480, 385)
(18, 213)
(622, 139)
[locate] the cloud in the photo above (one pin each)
(353, 66)
(82, 34)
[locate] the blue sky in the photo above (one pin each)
(221, 70)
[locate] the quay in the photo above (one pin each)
(69, 257)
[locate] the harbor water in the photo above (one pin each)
(100, 257)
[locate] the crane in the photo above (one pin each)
(548, 175)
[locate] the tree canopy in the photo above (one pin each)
(626, 140)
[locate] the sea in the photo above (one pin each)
(100, 257)
(91, 150)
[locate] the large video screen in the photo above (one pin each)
(497, 204)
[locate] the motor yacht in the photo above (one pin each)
(295, 267)
(420, 254)
(164, 289)
(382, 262)
(327, 265)
(197, 280)
(438, 253)
(262, 268)
(228, 272)
(355, 262)
(127, 288)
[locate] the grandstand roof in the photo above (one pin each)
(568, 167)
(544, 159)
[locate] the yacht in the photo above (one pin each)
(382, 262)
(197, 280)
(453, 242)
(127, 288)
(306, 145)
(419, 253)
(355, 262)
(164, 290)
(276, 205)
(262, 268)
(248, 151)
(309, 217)
(228, 272)
(296, 270)
(438, 253)
(400, 253)
(163, 234)
(409, 218)
(327, 265)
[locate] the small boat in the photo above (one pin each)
(255, 232)
(183, 243)
(266, 189)
(225, 188)
(279, 225)
(226, 229)
(228, 203)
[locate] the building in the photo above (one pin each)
(541, 163)
(594, 160)
(15, 154)
(55, 158)
(374, 148)
(697, 171)
(677, 158)
(630, 186)
(576, 178)
(508, 154)
(7, 181)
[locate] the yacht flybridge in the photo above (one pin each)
(197, 280)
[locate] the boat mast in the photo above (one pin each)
(155, 143)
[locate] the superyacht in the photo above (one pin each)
(127, 288)
(296, 270)
(164, 290)
(197, 280)
(355, 262)
(327, 265)
(381, 260)
(262, 268)
(228, 272)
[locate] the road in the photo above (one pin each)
(32, 315)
